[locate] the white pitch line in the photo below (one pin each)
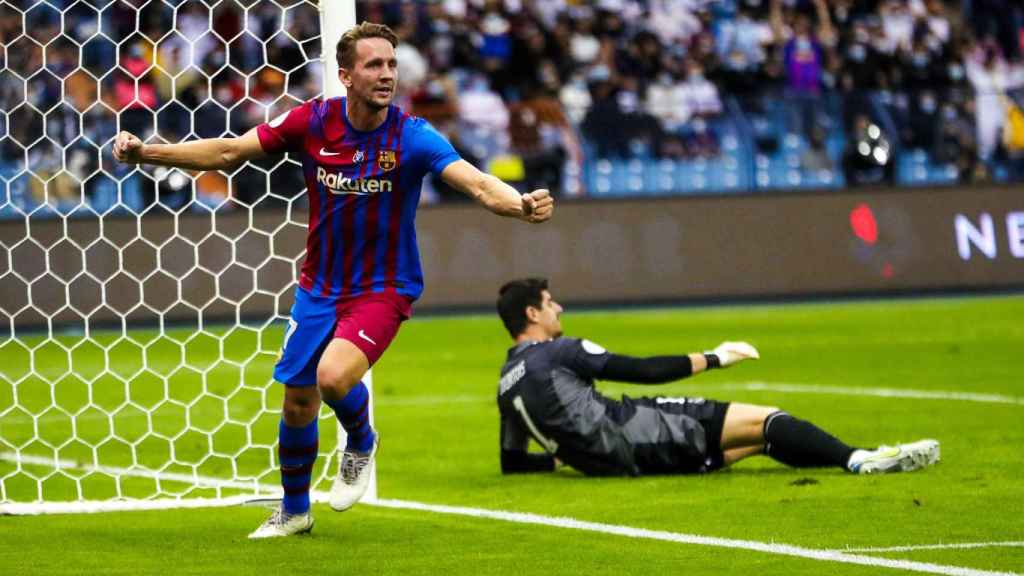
(630, 532)
(879, 392)
(962, 545)
(755, 386)
(516, 517)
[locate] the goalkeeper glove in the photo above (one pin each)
(729, 353)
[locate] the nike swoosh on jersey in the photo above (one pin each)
(367, 338)
(324, 152)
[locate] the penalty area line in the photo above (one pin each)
(954, 546)
(909, 393)
(679, 538)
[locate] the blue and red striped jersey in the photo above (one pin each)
(363, 188)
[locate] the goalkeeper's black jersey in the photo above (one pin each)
(547, 391)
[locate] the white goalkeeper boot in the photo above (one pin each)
(354, 473)
(281, 523)
(898, 458)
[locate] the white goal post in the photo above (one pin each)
(337, 16)
(142, 309)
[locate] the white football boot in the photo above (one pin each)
(283, 524)
(898, 458)
(354, 473)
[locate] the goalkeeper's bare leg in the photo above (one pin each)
(750, 430)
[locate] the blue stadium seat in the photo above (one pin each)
(915, 168)
(104, 196)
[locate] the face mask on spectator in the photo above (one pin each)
(858, 53)
(738, 60)
(549, 77)
(627, 101)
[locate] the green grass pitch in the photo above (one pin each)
(435, 408)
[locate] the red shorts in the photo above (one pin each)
(371, 321)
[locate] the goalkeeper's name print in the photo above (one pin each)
(338, 183)
(514, 375)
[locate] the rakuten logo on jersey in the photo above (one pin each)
(338, 183)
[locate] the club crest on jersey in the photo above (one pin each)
(386, 160)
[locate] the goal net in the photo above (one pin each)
(143, 308)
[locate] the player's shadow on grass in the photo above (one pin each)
(799, 476)
(781, 471)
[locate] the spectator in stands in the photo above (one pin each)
(642, 57)
(815, 158)
(615, 123)
(897, 23)
(743, 46)
(483, 115)
(956, 144)
(991, 76)
(584, 47)
(541, 135)
(496, 46)
(699, 96)
(804, 57)
(637, 77)
(999, 20)
(673, 21)
(135, 92)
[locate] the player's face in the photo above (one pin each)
(374, 75)
(548, 319)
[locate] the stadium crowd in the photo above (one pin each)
(536, 90)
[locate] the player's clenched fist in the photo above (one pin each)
(538, 206)
(127, 148)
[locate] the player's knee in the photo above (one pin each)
(300, 409)
(335, 381)
(766, 413)
(296, 415)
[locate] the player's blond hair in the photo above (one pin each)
(346, 51)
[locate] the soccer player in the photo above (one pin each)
(547, 392)
(364, 160)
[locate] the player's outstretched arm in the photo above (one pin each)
(662, 369)
(205, 154)
(497, 196)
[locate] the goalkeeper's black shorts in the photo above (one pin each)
(674, 435)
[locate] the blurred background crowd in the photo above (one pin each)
(604, 98)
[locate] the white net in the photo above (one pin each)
(141, 308)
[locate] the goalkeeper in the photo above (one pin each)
(547, 392)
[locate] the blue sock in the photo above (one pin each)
(353, 412)
(297, 449)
